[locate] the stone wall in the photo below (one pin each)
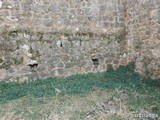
(143, 35)
(48, 38)
(59, 15)
(25, 58)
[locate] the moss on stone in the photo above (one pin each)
(70, 34)
(88, 33)
(1, 60)
(41, 37)
(18, 41)
(67, 33)
(7, 64)
(17, 61)
(35, 53)
(1, 66)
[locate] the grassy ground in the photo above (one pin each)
(111, 95)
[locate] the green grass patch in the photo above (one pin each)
(141, 93)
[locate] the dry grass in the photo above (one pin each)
(77, 107)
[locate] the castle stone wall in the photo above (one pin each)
(48, 38)
(143, 35)
(51, 38)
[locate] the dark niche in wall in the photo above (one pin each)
(33, 64)
(95, 61)
(61, 45)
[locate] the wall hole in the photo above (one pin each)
(80, 42)
(61, 45)
(95, 61)
(33, 64)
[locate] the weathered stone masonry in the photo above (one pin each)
(143, 35)
(48, 38)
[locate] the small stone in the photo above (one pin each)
(32, 63)
(26, 36)
(59, 72)
(12, 18)
(58, 43)
(116, 61)
(26, 47)
(76, 43)
(29, 54)
(115, 99)
(9, 7)
(66, 43)
(124, 55)
(110, 109)
(108, 60)
(60, 65)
